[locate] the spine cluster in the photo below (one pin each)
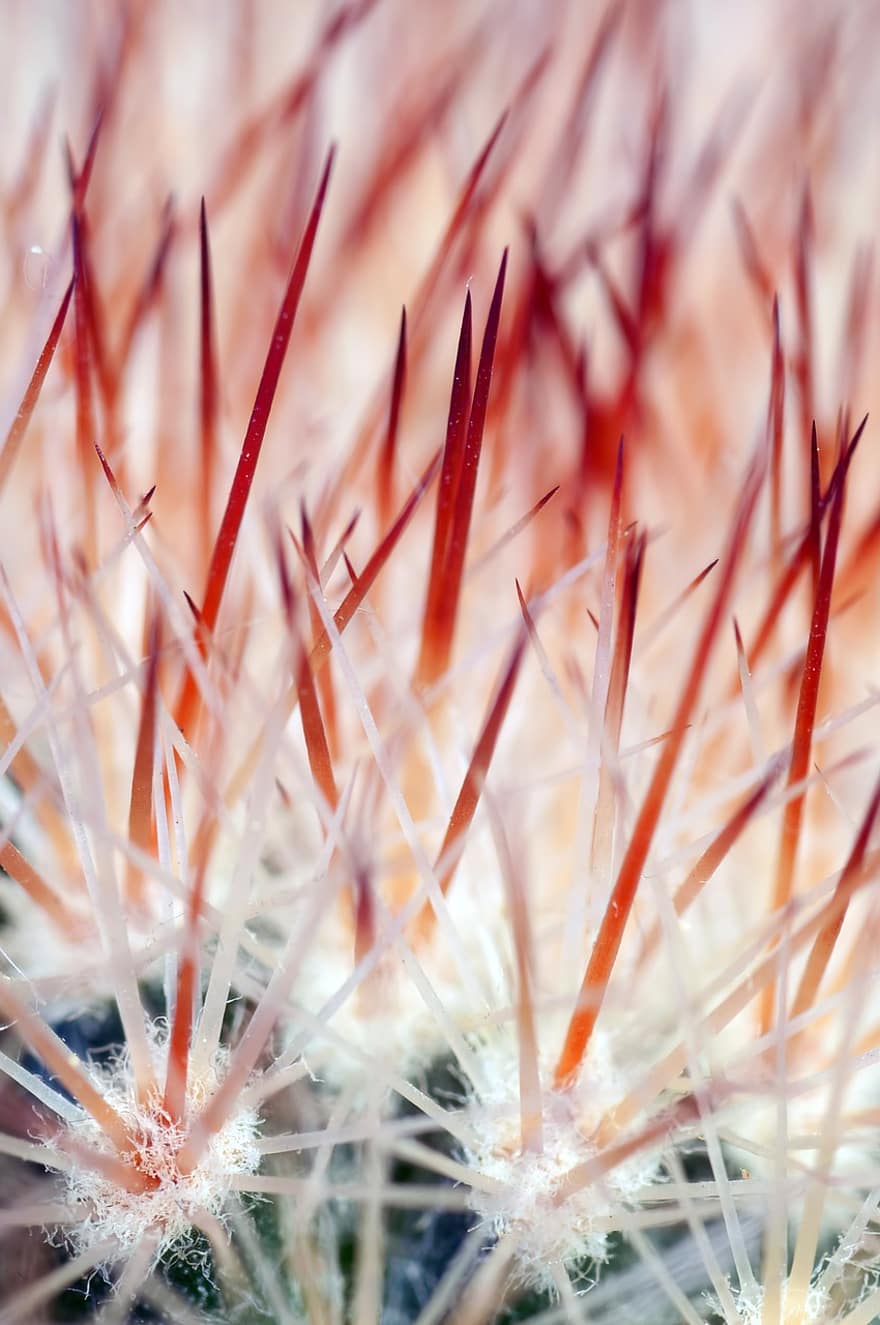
(438, 723)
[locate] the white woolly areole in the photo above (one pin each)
(818, 1309)
(549, 1231)
(169, 1209)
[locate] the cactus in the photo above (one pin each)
(439, 769)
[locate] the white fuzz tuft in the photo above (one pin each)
(174, 1202)
(819, 1308)
(550, 1231)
